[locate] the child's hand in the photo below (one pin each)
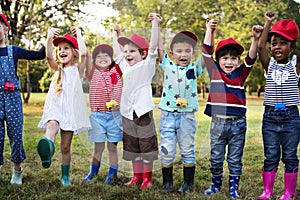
(75, 31)
(53, 32)
(211, 24)
(117, 30)
(154, 17)
(257, 30)
(269, 16)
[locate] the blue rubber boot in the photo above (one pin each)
(234, 182)
(94, 169)
(46, 150)
(215, 186)
(65, 175)
(112, 174)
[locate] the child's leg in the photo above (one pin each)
(46, 144)
(2, 137)
(52, 130)
(65, 147)
(113, 160)
(236, 144)
(113, 152)
(186, 137)
(137, 178)
(14, 124)
(218, 142)
(98, 151)
(96, 160)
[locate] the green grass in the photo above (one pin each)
(39, 183)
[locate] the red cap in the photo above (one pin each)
(185, 35)
(67, 38)
(135, 39)
(102, 47)
(4, 19)
(230, 42)
(287, 28)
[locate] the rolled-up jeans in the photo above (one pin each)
(281, 132)
(177, 128)
(228, 132)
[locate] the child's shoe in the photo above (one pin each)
(234, 182)
(94, 169)
(65, 175)
(16, 177)
(147, 176)
(46, 150)
(216, 185)
(112, 174)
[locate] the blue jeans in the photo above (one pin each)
(230, 132)
(177, 128)
(281, 131)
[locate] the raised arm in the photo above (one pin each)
(208, 43)
(82, 50)
(211, 26)
(116, 46)
(52, 33)
(262, 42)
(89, 63)
(256, 33)
(155, 19)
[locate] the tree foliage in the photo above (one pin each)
(29, 21)
(235, 20)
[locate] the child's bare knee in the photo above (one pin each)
(112, 147)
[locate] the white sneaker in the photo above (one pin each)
(16, 177)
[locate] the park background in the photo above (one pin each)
(29, 20)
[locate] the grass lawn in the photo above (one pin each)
(39, 183)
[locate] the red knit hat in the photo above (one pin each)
(136, 39)
(4, 19)
(102, 47)
(185, 35)
(67, 38)
(287, 28)
(230, 42)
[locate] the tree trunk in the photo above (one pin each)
(28, 89)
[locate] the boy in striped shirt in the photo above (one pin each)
(226, 104)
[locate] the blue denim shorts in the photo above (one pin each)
(105, 127)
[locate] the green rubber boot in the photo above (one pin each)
(65, 175)
(46, 150)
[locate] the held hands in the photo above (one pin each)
(75, 31)
(270, 16)
(211, 24)
(256, 31)
(117, 30)
(154, 17)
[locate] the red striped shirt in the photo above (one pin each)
(105, 85)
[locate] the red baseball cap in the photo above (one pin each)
(287, 28)
(102, 47)
(67, 38)
(185, 35)
(136, 39)
(4, 19)
(230, 42)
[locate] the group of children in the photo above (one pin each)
(122, 107)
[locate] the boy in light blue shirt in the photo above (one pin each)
(178, 104)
